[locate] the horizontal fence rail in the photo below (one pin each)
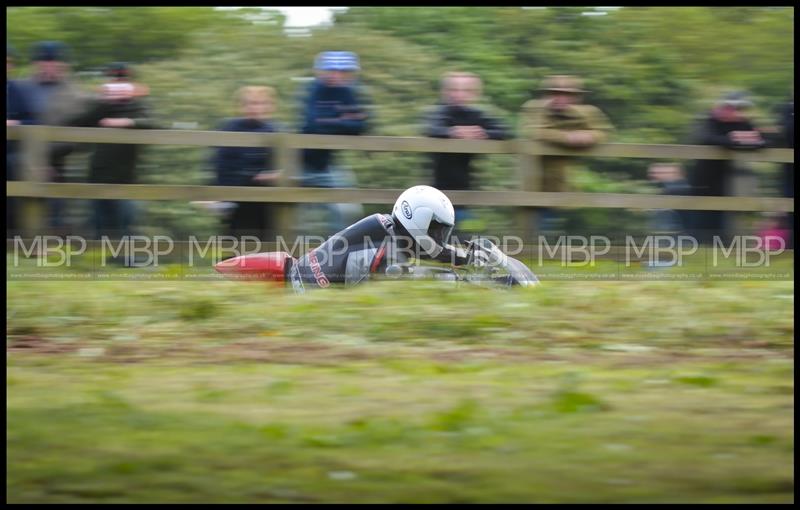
(389, 144)
(388, 196)
(287, 147)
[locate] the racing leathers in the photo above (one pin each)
(365, 248)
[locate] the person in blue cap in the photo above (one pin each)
(333, 105)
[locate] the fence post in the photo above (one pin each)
(288, 160)
(529, 172)
(743, 183)
(32, 212)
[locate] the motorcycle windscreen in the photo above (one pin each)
(520, 273)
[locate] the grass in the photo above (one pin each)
(181, 391)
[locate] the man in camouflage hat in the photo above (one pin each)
(561, 118)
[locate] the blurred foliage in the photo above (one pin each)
(136, 34)
(651, 69)
(645, 66)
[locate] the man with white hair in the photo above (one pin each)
(459, 116)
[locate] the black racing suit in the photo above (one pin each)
(367, 247)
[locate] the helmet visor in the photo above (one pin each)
(440, 232)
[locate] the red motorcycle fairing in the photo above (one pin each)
(269, 266)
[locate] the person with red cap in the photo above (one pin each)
(120, 107)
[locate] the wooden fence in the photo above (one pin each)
(288, 146)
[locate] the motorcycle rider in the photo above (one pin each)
(420, 226)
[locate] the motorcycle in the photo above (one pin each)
(492, 268)
(488, 267)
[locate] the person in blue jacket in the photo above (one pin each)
(18, 112)
(249, 166)
(332, 106)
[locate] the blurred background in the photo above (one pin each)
(126, 390)
(653, 71)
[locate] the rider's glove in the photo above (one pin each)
(477, 255)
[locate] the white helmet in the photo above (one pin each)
(427, 214)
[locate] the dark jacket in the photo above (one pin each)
(682, 217)
(679, 187)
(786, 113)
(114, 163)
(17, 104)
(55, 104)
(331, 111)
(17, 108)
(787, 130)
(236, 166)
(710, 177)
(450, 170)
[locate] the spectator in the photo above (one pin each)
(728, 126)
(787, 184)
(53, 99)
(114, 163)
(457, 117)
(18, 112)
(561, 118)
(670, 179)
(249, 166)
(773, 232)
(121, 72)
(334, 105)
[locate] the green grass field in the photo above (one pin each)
(181, 391)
